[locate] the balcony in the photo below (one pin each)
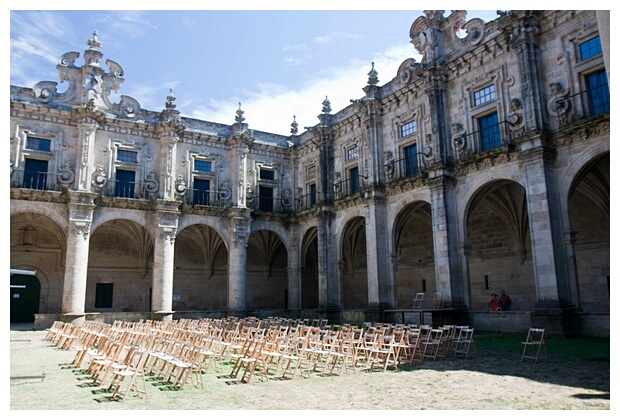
(349, 187)
(585, 104)
(207, 198)
(307, 201)
(484, 140)
(40, 181)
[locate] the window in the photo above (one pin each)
(35, 143)
(128, 156)
(407, 128)
(267, 174)
(590, 48)
(598, 92)
(489, 132)
(411, 159)
(354, 183)
(265, 199)
(484, 95)
(312, 195)
(103, 295)
(35, 174)
(125, 184)
(352, 153)
(202, 189)
(202, 166)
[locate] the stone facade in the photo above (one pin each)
(484, 167)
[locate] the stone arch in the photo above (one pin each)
(310, 269)
(498, 245)
(38, 243)
(121, 255)
(200, 268)
(589, 213)
(353, 264)
(414, 249)
(266, 271)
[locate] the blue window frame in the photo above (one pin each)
(35, 174)
(483, 95)
(312, 193)
(267, 174)
(489, 132)
(590, 48)
(407, 128)
(128, 156)
(354, 182)
(202, 189)
(125, 184)
(35, 143)
(598, 92)
(265, 199)
(411, 159)
(202, 166)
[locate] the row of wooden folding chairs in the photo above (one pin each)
(180, 352)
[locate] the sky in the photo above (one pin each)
(278, 64)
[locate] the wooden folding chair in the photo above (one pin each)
(135, 371)
(464, 342)
(418, 301)
(432, 344)
(534, 344)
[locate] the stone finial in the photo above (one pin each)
(94, 42)
(326, 106)
(372, 76)
(239, 118)
(170, 101)
(294, 126)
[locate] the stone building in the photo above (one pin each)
(484, 167)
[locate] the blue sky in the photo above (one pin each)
(276, 63)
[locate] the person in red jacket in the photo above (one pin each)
(494, 303)
(505, 302)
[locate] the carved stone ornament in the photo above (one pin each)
(180, 188)
(151, 185)
(99, 178)
(225, 192)
(559, 105)
(87, 111)
(66, 174)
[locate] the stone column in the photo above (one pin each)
(81, 206)
(330, 296)
(237, 260)
(163, 269)
(547, 236)
(376, 252)
(445, 238)
(167, 217)
(294, 274)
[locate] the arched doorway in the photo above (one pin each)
(25, 295)
(354, 267)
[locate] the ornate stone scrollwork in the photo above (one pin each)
(66, 174)
(389, 165)
(45, 91)
(128, 106)
(68, 59)
(151, 185)
(99, 178)
(287, 197)
(559, 104)
(81, 228)
(225, 192)
(515, 117)
(249, 194)
(459, 140)
(179, 187)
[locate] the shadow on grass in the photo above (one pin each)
(575, 362)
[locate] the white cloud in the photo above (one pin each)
(336, 37)
(271, 107)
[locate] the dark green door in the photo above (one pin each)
(25, 294)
